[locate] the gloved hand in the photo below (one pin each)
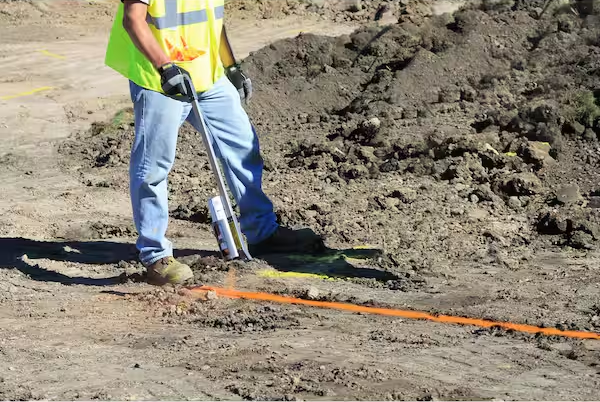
(242, 83)
(172, 79)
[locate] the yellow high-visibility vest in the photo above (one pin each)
(189, 32)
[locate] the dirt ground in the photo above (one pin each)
(450, 161)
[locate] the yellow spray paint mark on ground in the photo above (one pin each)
(364, 247)
(273, 273)
(50, 54)
(356, 255)
(33, 91)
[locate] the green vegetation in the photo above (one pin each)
(587, 108)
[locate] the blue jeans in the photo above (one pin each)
(157, 122)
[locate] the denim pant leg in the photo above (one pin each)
(157, 122)
(236, 143)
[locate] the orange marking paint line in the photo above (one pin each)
(414, 315)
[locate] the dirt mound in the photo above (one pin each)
(472, 102)
(336, 10)
(98, 230)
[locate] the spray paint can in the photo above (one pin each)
(222, 229)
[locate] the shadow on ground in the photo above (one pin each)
(13, 250)
(21, 253)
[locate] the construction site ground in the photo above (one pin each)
(449, 160)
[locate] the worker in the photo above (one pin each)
(155, 44)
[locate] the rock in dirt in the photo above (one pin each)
(554, 223)
(514, 202)
(195, 213)
(536, 153)
(522, 184)
(590, 135)
(451, 94)
(591, 345)
(484, 192)
(318, 3)
(546, 113)
(366, 132)
(201, 295)
(569, 194)
(588, 7)
(405, 195)
(594, 202)
(312, 293)
(497, 5)
(573, 129)
(350, 171)
(546, 132)
(581, 240)
(354, 5)
(574, 224)
(468, 93)
(562, 348)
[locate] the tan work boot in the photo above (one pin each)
(169, 271)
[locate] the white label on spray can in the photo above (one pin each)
(217, 212)
(221, 229)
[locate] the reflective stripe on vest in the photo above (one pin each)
(173, 19)
(188, 31)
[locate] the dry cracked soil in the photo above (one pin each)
(448, 154)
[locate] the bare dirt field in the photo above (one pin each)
(449, 157)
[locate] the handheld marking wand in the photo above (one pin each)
(225, 223)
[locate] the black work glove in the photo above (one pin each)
(239, 80)
(172, 80)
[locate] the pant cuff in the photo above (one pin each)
(154, 259)
(271, 233)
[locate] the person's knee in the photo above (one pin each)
(157, 173)
(150, 172)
